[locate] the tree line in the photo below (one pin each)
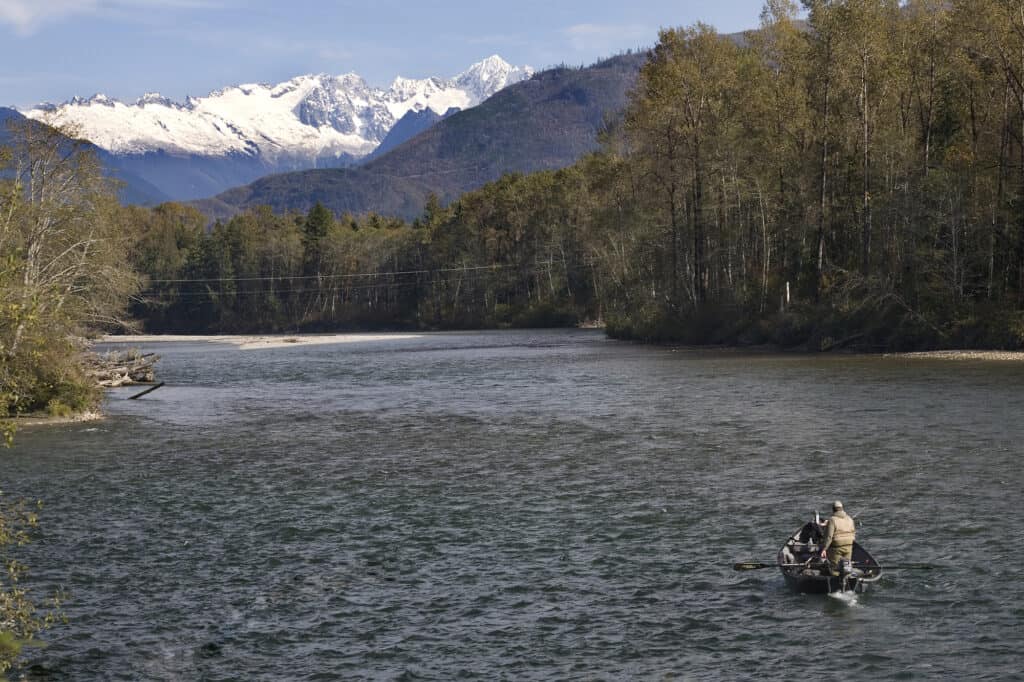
(455, 267)
(850, 175)
(853, 176)
(63, 271)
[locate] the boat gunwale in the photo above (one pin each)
(795, 576)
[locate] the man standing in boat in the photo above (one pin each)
(839, 536)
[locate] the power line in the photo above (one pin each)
(277, 278)
(276, 292)
(168, 296)
(322, 277)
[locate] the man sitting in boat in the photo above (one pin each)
(840, 533)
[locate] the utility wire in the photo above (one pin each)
(168, 296)
(322, 277)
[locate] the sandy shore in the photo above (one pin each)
(255, 342)
(1002, 355)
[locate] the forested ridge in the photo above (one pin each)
(854, 177)
(544, 123)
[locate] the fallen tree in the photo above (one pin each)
(121, 368)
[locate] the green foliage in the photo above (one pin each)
(62, 274)
(851, 179)
(544, 315)
(56, 408)
(987, 327)
(44, 375)
(857, 188)
(650, 325)
(506, 255)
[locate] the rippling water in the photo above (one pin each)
(526, 505)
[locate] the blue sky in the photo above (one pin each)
(51, 50)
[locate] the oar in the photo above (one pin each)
(754, 565)
(904, 567)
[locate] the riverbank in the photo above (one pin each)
(29, 420)
(266, 341)
(988, 355)
(256, 341)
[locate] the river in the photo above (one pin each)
(529, 505)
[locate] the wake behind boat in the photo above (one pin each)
(804, 570)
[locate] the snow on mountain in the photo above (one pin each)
(308, 117)
(485, 78)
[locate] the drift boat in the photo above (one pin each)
(804, 570)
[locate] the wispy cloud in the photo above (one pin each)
(26, 16)
(605, 38)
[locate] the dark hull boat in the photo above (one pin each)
(804, 570)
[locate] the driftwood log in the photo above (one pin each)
(122, 368)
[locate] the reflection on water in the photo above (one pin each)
(526, 505)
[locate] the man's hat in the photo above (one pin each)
(837, 505)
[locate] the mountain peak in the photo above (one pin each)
(154, 98)
(98, 98)
(490, 75)
(310, 117)
(493, 62)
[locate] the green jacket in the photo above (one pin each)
(840, 531)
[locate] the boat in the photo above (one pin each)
(805, 571)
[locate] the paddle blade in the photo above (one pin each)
(903, 567)
(912, 567)
(750, 566)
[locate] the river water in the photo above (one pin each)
(526, 505)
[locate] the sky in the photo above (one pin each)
(52, 50)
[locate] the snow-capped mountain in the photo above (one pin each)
(305, 122)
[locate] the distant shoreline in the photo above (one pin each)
(258, 341)
(993, 355)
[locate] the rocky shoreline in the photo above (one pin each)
(29, 420)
